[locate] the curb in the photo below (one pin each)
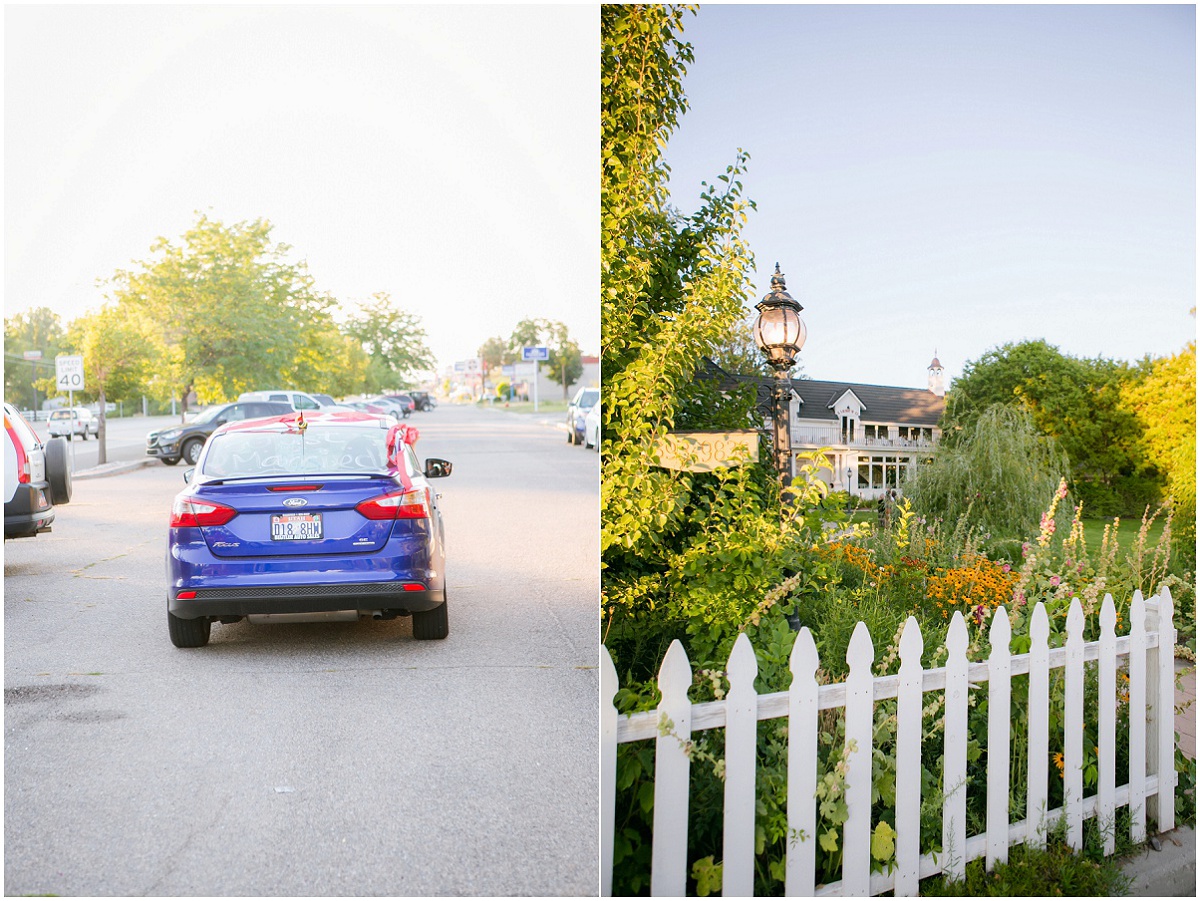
(1169, 873)
(111, 469)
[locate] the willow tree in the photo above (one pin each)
(997, 478)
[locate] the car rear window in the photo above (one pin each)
(61, 414)
(345, 449)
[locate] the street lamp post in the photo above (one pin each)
(780, 334)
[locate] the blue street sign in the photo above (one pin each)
(529, 354)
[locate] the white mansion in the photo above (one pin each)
(870, 433)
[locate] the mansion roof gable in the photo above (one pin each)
(879, 403)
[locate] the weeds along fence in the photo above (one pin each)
(1148, 651)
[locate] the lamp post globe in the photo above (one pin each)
(780, 333)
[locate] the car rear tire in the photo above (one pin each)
(170, 461)
(188, 633)
(431, 625)
(191, 450)
(58, 471)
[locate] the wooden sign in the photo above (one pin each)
(706, 451)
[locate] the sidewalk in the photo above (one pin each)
(1171, 872)
(111, 469)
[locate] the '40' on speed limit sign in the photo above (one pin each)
(68, 373)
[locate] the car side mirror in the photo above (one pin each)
(221, 421)
(187, 475)
(437, 469)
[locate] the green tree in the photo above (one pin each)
(117, 352)
(565, 365)
(994, 479)
(1077, 402)
(496, 352)
(1164, 403)
(234, 312)
(394, 341)
(38, 328)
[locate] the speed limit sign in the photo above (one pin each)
(68, 373)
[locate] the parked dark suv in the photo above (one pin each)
(184, 441)
(424, 400)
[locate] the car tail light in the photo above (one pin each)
(22, 458)
(192, 513)
(397, 505)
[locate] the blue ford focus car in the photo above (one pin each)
(318, 517)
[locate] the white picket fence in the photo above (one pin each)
(1149, 649)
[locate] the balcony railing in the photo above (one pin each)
(808, 436)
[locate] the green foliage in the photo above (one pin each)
(1079, 403)
(1057, 870)
(1164, 403)
(37, 328)
(565, 365)
(996, 476)
(393, 340)
(232, 312)
(114, 348)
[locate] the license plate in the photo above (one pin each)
(296, 527)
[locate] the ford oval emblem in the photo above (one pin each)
(295, 502)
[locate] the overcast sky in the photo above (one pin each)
(951, 178)
(445, 155)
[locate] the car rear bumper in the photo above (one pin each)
(304, 599)
(29, 512)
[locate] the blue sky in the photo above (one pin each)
(952, 178)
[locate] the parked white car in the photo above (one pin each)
(299, 400)
(73, 421)
(591, 426)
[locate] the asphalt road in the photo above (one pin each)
(307, 759)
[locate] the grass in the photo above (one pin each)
(1093, 532)
(544, 406)
(1055, 871)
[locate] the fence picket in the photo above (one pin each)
(999, 725)
(741, 734)
(672, 769)
(1037, 798)
(1107, 725)
(608, 769)
(801, 867)
(1073, 727)
(954, 759)
(1137, 718)
(908, 762)
(1166, 719)
(860, 722)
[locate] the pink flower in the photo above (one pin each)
(1007, 567)
(1054, 580)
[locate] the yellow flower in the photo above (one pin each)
(1058, 762)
